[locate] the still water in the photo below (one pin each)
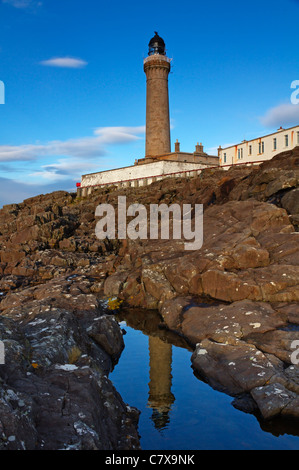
(179, 411)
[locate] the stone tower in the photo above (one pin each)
(157, 68)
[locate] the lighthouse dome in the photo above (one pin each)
(157, 45)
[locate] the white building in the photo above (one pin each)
(260, 149)
(138, 175)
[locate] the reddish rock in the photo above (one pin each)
(114, 283)
(276, 342)
(224, 323)
(51, 259)
(156, 284)
(233, 368)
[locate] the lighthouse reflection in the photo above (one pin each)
(160, 341)
(160, 397)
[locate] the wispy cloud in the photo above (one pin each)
(65, 62)
(283, 115)
(23, 3)
(94, 146)
(58, 161)
(65, 169)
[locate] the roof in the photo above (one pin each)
(156, 40)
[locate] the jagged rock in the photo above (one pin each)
(156, 284)
(55, 392)
(114, 283)
(277, 342)
(233, 368)
(172, 311)
(237, 320)
(275, 399)
(290, 201)
(106, 333)
(56, 275)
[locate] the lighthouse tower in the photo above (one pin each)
(157, 68)
(158, 160)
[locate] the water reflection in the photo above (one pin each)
(167, 400)
(151, 324)
(160, 397)
(160, 341)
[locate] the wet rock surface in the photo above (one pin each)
(236, 300)
(55, 387)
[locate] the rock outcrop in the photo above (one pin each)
(60, 346)
(236, 299)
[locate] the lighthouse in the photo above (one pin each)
(157, 67)
(159, 161)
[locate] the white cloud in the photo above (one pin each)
(49, 175)
(65, 62)
(94, 146)
(75, 156)
(65, 169)
(113, 135)
(283, 115)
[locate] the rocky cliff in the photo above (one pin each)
(235, 300)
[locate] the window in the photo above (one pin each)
(275, 144)
(239, 154)
(260, 147)
(250, 149)
(263, 147)
(224, 157)
(286, 140)
(298, 137)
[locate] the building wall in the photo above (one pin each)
(262, 148)
(138, 175)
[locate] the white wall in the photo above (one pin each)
(262, 148)
(138, 172)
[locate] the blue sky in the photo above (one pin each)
(75, 86)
